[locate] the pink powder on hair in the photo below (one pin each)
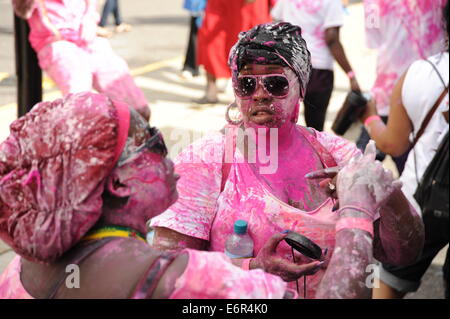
(34, 174)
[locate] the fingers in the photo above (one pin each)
(329, 185)
(290, 294)
(355, 159)
(292, 271)
(335, 206)
(329, 172)
(325, 183)
(312, 268)
(397, 184)
(370, 152)
(273, 242)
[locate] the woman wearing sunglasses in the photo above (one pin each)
(271, 65)
(79, 178)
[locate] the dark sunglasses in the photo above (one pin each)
(154, 144)
(276, 85)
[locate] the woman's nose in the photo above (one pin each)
(260, 93)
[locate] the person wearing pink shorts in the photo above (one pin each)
(63, 34)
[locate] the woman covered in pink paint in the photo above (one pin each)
(79, 178)
(63, 34)
(221, 181)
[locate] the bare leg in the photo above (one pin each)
(211, 91)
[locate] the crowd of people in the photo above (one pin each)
(86, 191)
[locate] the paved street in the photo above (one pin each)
(154, 50)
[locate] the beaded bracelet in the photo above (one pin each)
(351, 74)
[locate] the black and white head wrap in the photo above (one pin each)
(273, 43)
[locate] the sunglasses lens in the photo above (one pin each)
(245, 86)
(159, 147)
(278, 86)
(156, 143)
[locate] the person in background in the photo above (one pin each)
(320, 21)
(421, 88)
(111, 6)
(401, 31)
(196, 10)
(63, 34)
(223, 21)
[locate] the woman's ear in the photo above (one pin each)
(116, 188)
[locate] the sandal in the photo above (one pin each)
(103, 32)
(123, 27)
(205, 100)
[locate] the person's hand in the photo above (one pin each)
(365, 183)
(371, 109)
(23, 8)
(268, 260)
(328, 178)
(354, 85)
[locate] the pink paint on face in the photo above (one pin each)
(265, 111)
(151, 188)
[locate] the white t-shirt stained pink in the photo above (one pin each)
(421, 89)
(314, 17)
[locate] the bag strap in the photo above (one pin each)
(150, 280)
(77, 259)
(433, 109)
(230, 142)
(429, 116)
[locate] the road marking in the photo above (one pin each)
(155, 66)
(3, 75)
(47, 83)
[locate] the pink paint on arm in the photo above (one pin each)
(10, 285)
(211, 275)
(199, 166)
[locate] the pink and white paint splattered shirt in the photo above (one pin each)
(314, 17)
(402, 31)
(10, 285)
(204, 212)
(71, 20)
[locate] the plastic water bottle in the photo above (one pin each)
(150, 236)
(239, 244)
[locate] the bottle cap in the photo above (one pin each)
(240, 226)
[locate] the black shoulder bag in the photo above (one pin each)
(432, 193)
